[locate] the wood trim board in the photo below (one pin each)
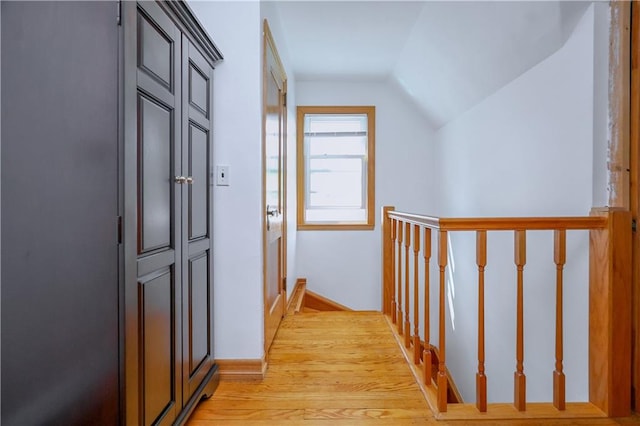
(242, 369)
(634, 195)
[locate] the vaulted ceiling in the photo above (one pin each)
(445, 55)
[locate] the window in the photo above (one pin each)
(336, 167)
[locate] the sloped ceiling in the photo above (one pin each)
(445, 55)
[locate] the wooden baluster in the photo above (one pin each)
(407, 324)
(416, 311)
(393, 272)
(426, 355)
(442, 374)
(387, 261)
(519, 377)
(481, 378)
(559, 254)
(399, 313)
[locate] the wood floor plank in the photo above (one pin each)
(337, 368)
(250, 414)
(302, 403)
(314, 422)
(366, 413)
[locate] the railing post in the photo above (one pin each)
(426, 355)
(399, 269)
(416, 299)
(394, 306)
(610, 313)
(481, 378)
(407, 323)
(442, 374)
(520, 380)
(559, 257)
(387, 261)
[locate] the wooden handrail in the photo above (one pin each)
(609, 295)
(502, 223)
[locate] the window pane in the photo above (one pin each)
(343, 145)
(336, 215)
(335, 182)
(335, 123)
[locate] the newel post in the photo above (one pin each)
(387, 261)
(610, 313)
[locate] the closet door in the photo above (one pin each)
(196, 218)
(159, 184)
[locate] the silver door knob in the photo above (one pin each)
(180, 179)
(189, 180)
(272, 211)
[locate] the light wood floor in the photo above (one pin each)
(330, 368)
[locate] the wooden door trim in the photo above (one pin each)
(634, 196)
(242, 370)
(619, 104)
(624, 144)
(268, 42)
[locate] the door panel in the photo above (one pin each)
(198, 89)
(156, 184)
(156, 53)
(199, 86)
(274, 113)
(198, 310)
(196, 219)
(273, 272)
(159, 215)
(198, 189)
(157, 330)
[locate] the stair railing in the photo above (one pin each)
(405, 236)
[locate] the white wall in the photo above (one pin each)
(269, 11)
(236, 29)
(526, 150)
(601, 123)
(345, 265)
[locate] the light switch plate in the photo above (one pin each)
(222, 175)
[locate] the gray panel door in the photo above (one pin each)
(196, 219)
(159, 216)
(59, 213)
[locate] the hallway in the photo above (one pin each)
(331, 368)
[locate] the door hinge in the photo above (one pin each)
(284, 100)
(119, 12)
(119, 229)
(634, 225)
(284, 284)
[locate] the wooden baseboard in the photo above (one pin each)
(242, 370)
(319, 303)
(296, 301)
(303, 300)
